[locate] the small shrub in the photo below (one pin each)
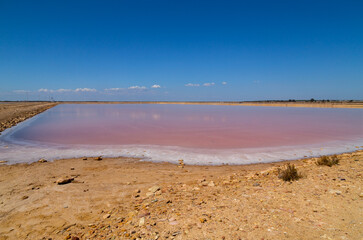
(289, 173)
(328, 161)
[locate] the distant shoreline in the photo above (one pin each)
(297, 103)
(340, 104)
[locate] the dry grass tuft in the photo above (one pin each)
(328, 161)
(290, 173)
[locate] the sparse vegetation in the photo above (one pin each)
(290, 173)
(328, 161)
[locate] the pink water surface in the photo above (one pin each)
(194, 126)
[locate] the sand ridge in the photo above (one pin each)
(12, 113)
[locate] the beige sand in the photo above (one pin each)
(194, 202)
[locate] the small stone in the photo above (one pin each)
(42, 160)
(106, 216)
(337, 192)
(175, 233)
(141, 222)
(64, 180)
(202, 220)
(361, 195)
(98, 158)
(84, 158)
(75, 238)
(148, 194)
(256, 184)
(72, 168)
(154, 189)
(24, 197)
(211, 184)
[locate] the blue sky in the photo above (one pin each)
(181, 50)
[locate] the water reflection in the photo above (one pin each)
(199, 126)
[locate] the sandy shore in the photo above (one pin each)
(112, 199)
(124, 198)
(12, 113)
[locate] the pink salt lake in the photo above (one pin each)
(190, 128)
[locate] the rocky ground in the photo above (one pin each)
(123, 198)
(12, 113)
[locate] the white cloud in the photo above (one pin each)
(85, 90)
(155, 86)
(114, 89)
(63, 90)
(45, 90)
(137, 87)
(208, 84)
(224, 83)
(192, 85)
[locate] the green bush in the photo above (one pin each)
(328, 161)
(289, 173)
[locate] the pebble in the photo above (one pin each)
(202, 220)
(173, 223)
(141, 222)
(337, 192)
(106, 216)
(211, 184)
(64, 180)
(98, 158)
(154, 189)
(148, 194)
(42, 160)
(175, 233)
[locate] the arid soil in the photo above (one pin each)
(125, 198)
(12, 113)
